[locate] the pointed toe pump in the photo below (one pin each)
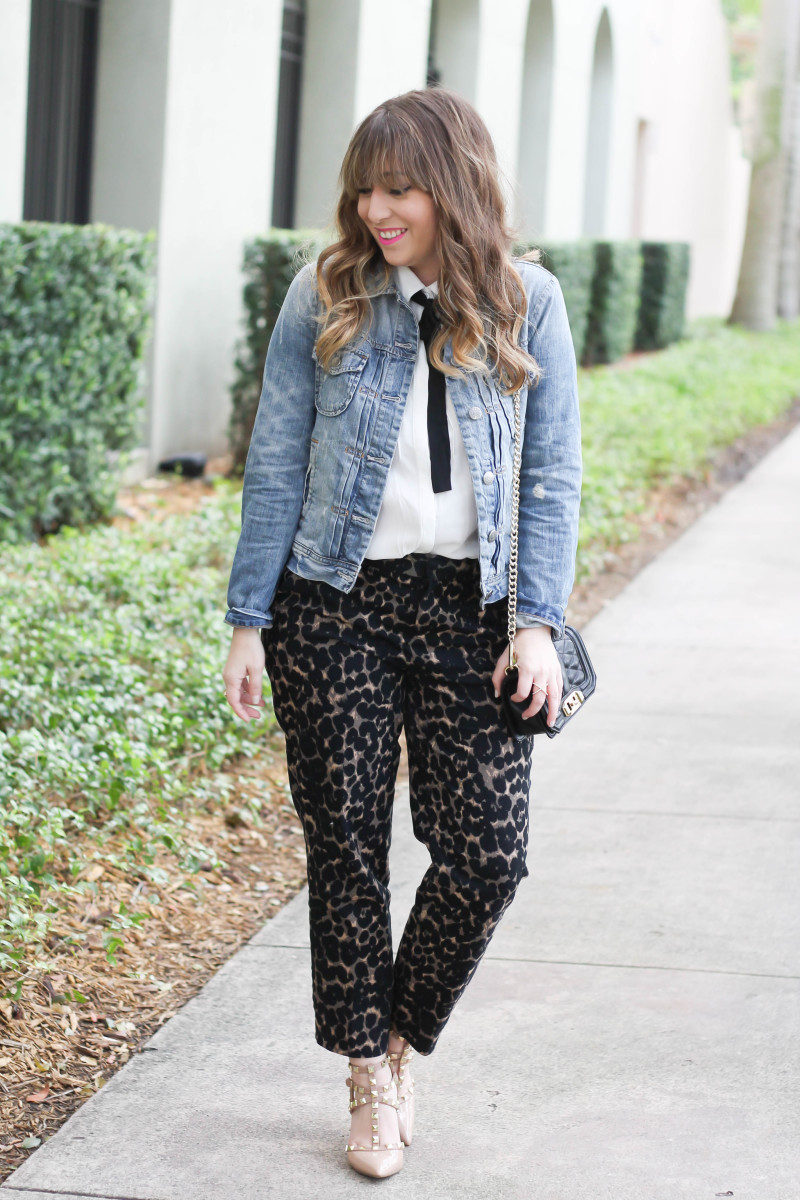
(373, 1083)
(401, 1068)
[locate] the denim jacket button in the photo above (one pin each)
(491, 535)
(488, 476)
(475, 413)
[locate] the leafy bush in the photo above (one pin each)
(614, 306)
(665, 415)
(665, 274)
(270, 264)
(76, 315)
(573, 264)
(111, 652)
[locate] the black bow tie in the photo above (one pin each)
(438, 436)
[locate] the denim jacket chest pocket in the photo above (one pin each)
(335, 388)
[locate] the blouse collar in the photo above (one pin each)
(408, 283)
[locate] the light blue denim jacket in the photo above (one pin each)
(323, 441)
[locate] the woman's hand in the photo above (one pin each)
(244, 672)
(538, 666)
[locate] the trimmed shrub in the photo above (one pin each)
(614, 308)
(662, 307)
(270, 264)
(573, 264)
(76, 303)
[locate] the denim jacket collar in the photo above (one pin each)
(397, 287)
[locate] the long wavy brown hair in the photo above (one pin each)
(435, 140)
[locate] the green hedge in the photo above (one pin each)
(667, 414)
(270, 263)
(614, 307)
(76, 304)
(573, 264)
(662, 310)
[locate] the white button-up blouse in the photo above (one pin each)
(412, 517)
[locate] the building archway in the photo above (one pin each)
(535, 119)
(598, 131)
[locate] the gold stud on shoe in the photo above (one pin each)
(380, 1158)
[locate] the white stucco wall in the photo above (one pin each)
(392, 53)
(328, 109)
(130, 112)
(696, 187)
(186, 145)
(498, 87)
(15, 21)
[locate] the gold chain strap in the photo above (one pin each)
(513, 558)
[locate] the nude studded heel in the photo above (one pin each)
(380, 1158)
(400, 1059)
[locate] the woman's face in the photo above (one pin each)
(407, 216)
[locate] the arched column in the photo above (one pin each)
(598, 131)
(535, 118)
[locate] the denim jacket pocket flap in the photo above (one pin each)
(336, 386)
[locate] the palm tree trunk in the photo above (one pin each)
(755, 304)
(789, 254)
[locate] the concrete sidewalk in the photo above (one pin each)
(632, 1033)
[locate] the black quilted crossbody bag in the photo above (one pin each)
(576, 666)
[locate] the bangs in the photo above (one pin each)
(383, 154)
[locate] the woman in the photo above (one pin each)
(373, 562)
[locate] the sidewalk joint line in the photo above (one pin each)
(13, 1187)
(571, 962)
(273, 946)
(657, 812)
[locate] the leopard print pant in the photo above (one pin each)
(407, 647)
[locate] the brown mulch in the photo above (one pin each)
(78, 1019)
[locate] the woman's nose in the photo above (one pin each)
(378, 205)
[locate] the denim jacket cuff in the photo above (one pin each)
(242, 618)
(524, 621)
(546, 614)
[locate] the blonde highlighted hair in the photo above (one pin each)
(435, 140)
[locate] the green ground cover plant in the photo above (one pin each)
(656, 417)
(112, 714)
(112, 711)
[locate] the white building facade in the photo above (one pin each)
(211, 123)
